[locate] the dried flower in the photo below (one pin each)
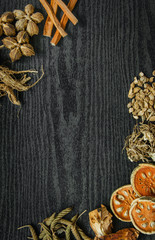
(142, 93)
(28, 20)
(140, 145)
(100, 221)
(19, 46)
(5, 24)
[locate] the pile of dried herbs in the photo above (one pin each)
(56, 227)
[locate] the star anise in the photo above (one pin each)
(19, 46)
(5, 24)
(28, 20)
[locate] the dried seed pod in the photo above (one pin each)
(100, 221)
(29, 9)
(37, 17)
(143, 180)
(27, 50)
(22, 37)
(120, 202)
(9, 29)
(21, 24)
(32, 28)
(7, 17)
(142, 214)
(15, 54)
(9, 42)
(18, 14)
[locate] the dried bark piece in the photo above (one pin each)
(123, 234)
(143, 180)
(142, 214)
(121, 200)
(100, 221)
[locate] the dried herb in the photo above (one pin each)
(5, 24)
(19, 46)
(52, 227)
(10, 82)
(100, 221)
(142, 93)
(123, 234)
(140, 145)
(33, 233)
(28, 20)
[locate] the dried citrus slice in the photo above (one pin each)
(143, 179)
(121, 200)
(142, 214)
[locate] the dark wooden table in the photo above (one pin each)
(65, 149)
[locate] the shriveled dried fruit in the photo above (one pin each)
(100, 221)
(140, 145)
(19, 46)
(121, 200)
(143, 180)
(5, 24)
(28, 20)
(142, 214)
(123, 234)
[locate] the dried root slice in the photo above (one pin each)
(120, 202)
(123, 234)
(100, 221)
(143, 179)
(142, 214)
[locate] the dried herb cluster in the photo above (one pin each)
(55, 227)
(140, 145)
(142, 93)
(26, 25)
(9, 82)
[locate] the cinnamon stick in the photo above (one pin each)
(67, 11)
(53, 17)
(63, 22)
(48, 27)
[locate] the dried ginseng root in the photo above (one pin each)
(123, 234)
(120, 202)
(10, 82)
(142, 93)
(143, 179)
(142, 214)
(100, 221)
(140, 145)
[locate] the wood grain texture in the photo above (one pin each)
(66, 147)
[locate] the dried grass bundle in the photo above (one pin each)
(140, 145)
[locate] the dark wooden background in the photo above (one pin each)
(65, 149)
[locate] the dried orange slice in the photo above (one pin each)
(142, 214)
(121, 200)
(143, 179)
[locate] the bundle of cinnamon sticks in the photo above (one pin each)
(52, 19)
